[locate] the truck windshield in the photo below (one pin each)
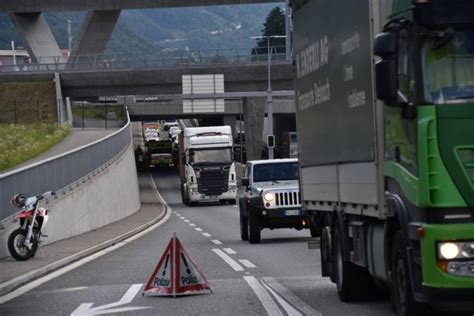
(275, 172)
(216, 155)
(448, 69)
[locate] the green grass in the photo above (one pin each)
(19, 143)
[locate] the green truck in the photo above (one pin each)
(385, 122)
(159, 153)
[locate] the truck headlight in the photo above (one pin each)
(269, 197)
(456, 250)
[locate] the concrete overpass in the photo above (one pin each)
(237, 77)
(102, 16)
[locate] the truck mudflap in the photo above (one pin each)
(448, 284)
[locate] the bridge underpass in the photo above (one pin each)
(244, 80)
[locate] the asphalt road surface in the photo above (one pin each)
(280, 276)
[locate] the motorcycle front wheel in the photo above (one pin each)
(17, 247)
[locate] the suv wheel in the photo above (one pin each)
(244, 229)
(253, 227)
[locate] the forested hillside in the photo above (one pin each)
(158, 29)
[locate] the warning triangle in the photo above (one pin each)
(176, 274)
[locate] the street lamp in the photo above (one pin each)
(269, 89)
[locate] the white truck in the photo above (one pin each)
(206, 165)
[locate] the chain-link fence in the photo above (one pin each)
(28, 102)
(90, 115)
(64, 172)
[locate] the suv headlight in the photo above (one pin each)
(269, 197)
(451, 250)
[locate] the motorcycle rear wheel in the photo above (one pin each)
(17, 247)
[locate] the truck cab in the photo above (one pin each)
(206, 164)
(271, 198)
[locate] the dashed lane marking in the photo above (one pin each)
(216, 242)
(230, 251)
(182, 217)
(186, 220)
(231, 262)
(247, 263)
(198, 229)
(192, 225)
(206, 235)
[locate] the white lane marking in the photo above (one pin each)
(206, 235)
(247, 263)
(216, 242)
(198, 229)
(177, 214)
(85, 308)
(30, 286)
(290, 310)
(192, 225)
(235, 205)
(182, 217)
(233, 264)
(230, 251)
(186, 220)
(268, 303)
(66, 290)
(290, 297)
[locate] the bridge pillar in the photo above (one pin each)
(37, 36)
(254, 114)
(96, 32)
(230, 120)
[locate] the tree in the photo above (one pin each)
(274, 25)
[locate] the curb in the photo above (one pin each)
(15, 283)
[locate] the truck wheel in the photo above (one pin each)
(402, 295)
(325, 253)
(253, 227)
(353, 283)
(244, 229)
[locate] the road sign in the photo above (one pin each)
(112, 308)
(176, 274)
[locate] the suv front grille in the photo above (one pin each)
(287, 199)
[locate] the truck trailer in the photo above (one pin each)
(385, 122)
(206, 165)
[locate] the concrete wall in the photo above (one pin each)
(107, 198)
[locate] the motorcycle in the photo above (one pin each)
(24, 241)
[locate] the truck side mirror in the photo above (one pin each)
(385, 46)
(245, 182)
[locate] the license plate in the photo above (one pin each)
(209, 197)
(292, 212)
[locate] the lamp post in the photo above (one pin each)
(269, 89)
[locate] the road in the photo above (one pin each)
(280, 276)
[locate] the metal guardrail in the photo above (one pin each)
(149, 60)
(64, 172)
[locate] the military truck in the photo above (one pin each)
(385, 122)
